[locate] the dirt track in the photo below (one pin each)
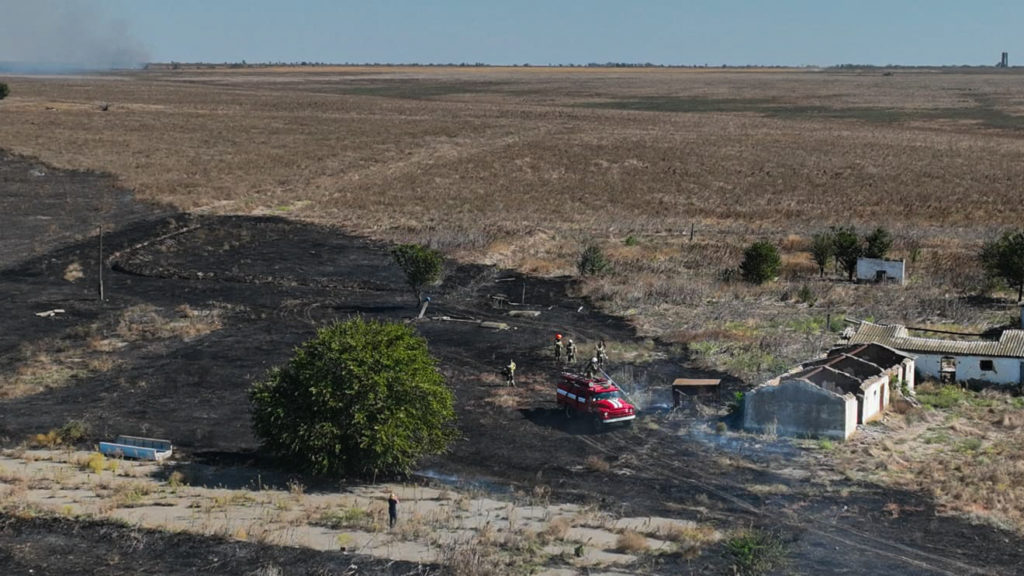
(198, 307)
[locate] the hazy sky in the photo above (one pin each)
(735, 32)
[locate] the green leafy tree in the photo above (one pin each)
(360, 399)
(823, 249)
(592, 261)
(1003, 258)
(422, 266)
(4, 90)
(848, 249)
(877, 243)
(761, 262)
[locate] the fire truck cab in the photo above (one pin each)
(598, 398)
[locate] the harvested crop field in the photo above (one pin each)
(243, 208)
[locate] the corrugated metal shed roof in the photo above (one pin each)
(1009, 345)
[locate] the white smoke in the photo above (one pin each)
(64, 35)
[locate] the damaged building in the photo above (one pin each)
(828, 397)
(998, 362)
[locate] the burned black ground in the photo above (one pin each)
(272, 282)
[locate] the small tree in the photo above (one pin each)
(1003, 258)
(848, 249)
(422, 266)
(761, 262)
(877, 243)
(4, 90)
(360, 399)
(592, 261)
(822, 249)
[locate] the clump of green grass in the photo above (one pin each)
(943, 397)
(950, 396)
(352, 518)
(755, 552)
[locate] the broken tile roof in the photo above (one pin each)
(1009, 345)
(828, 378)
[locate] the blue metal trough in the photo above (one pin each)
(137, 448)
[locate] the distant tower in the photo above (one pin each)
(1004, 62)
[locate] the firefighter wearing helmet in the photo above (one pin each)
(570, 352)
(558, 347)
(510, 374)
(592, 368)
(601, 353)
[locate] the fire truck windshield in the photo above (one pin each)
(608, 395)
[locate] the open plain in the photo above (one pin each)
(243, 208)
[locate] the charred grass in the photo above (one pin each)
(93, 349)
(667, 171)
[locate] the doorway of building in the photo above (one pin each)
(947, 370)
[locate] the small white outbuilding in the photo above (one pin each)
(881, 270)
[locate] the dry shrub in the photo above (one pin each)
(74, 272)
(689, 539)
(97, 343)
(95, 462)
(471, 559)
(794, 243)
(72, 432)
(683, 534)
(597, 464)
(131, 494)
(50, 439)
(768, 489)
(799, 265)
(486, 535)
(557, 529)
(101, 364)
(631, 542)
(1012, 420)
(147, 322)
(542, 267)
(177, 479)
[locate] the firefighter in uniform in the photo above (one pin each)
(510, 374)
(592, 368)
(601, 353)
(558, 347)
(570, 352)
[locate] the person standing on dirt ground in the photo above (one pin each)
(570, 352)
(558, 347)
(510, 374)
(601, 353)
(392, 509)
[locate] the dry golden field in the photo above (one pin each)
(522, 167)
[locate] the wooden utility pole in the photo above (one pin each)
(101, 263)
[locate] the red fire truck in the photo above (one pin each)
(598, 398)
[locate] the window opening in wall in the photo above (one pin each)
(987, 366)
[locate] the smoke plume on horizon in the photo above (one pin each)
(55, 35)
